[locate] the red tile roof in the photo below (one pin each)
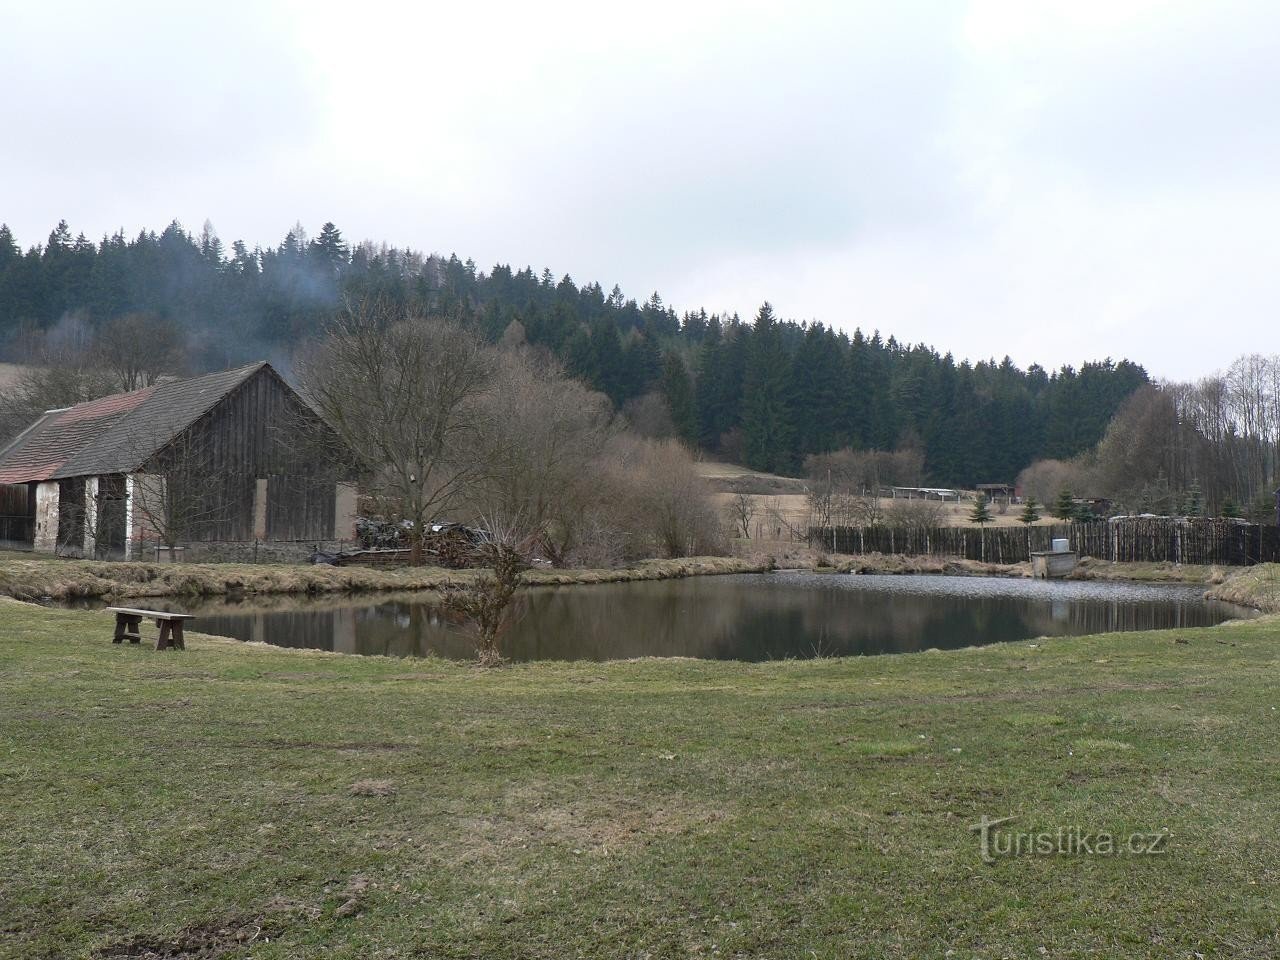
(47, 444)
(117, 434)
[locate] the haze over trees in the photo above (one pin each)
(766, 391)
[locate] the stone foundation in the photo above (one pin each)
(267, 551)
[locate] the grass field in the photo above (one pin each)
(781, 502)
(242, 801)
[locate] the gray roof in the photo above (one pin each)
(116, 434)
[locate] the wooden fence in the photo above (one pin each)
(1129, 539)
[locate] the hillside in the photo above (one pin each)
(767, 391)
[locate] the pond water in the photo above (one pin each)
(742, 617)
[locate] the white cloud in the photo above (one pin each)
(1056, 181)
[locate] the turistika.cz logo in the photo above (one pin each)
(995, 842)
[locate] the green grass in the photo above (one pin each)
(203, 801)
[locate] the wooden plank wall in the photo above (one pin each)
(1135, 539)
(251, 434)
(17, 513)
(300, 508)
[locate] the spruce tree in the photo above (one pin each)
(1065, 508)
(766, 409)
(1030, 511)
(679, 393)
(1193, 506)
(1231, 510)
(980, 514)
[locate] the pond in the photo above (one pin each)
(741, 617)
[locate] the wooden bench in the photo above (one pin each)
(129, 625)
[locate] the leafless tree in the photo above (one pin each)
(742, 513)
(403, 393)
(491, 603)
(649, 416)
(658, 498)
(59, 369)
(138, 348)
(541, 438)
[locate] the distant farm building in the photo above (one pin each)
(213, 463)
(999, 491)
(921, 493)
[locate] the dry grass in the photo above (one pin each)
(1257, 587)
(28, 576)
(952, 566)
(785, 498)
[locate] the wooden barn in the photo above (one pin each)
(210, 462)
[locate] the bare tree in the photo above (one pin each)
(138, 348)
(657, 497)
(403, 394)
(491, 603)
(59, 369)
(541, 439)
(742, 513)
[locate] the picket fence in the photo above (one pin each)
(1128, 539)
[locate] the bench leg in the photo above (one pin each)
(127, 628)
(163, 642)
(177, 635)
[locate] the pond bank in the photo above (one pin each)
(1257, 586)
(26, 576)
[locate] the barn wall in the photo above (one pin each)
(268, 486)
(17, 514)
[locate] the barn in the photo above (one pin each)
(213, 464)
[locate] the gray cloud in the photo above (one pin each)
(1058, 183)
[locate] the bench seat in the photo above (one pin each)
(129, 621)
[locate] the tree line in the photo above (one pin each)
(1206, 448)
(764, 391)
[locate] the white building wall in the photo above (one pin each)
(46, 533)
(345, 507)
(90, 516)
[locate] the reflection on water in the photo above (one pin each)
(747, 617)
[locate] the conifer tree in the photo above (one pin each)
(1030, 511)
(766, 408)
(679, 393)
(980, 514)
(1193, 505)
(1065, 508)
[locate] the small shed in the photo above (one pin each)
(212, 461)
(996, 492)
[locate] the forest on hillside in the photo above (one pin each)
(761, 390)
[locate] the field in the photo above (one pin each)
(238, 801)
(781, 503)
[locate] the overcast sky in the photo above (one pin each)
(1054, 181)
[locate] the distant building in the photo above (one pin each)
(920, 493)
(215, 456)
(999, 491)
